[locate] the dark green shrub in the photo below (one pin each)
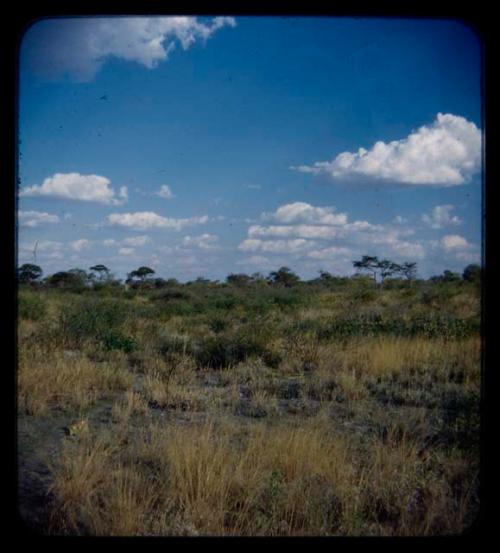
(225, 351)
(31, 307)
(115, 340)
(91, 319)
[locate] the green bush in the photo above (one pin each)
(115, 340)
(31, 307)
(224, 351)
(91, 319)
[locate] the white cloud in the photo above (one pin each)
(440, 217)
(276, 246)
(143, 220)
(454, 242)
(446, 153)
(126, 251)
(78, 47)
(301, 212)
(136, 241)
(258, 261)
(302, 231)
(469, 257)
(164, 192)
(73, 186)
(399, 220)
(36, 218)
(203, 242)
(109, 242)
(330, 253)
(79, 245)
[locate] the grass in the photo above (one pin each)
(246, 415)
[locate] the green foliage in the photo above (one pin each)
(284, 277)
(113, 340)
(472, 273)
(29, 273)
(92, 319)
(31, 306)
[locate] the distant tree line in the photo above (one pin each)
(99, 275)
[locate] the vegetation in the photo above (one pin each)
(255, 406)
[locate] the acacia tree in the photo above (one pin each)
(472, 273)
(409, 270)
(142, 273)
(387, 268)
(29, 273)
(368, 263)
(284, 277)
(101, 270)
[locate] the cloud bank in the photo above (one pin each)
(78, 47)
(36, 218)
(440, 217)
(142, 220)
(446, 153)
(73, 186)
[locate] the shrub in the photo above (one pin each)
(31, 306)
(92, 320)
(115, 340)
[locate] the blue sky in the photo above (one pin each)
(206, 146)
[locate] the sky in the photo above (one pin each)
(205, 146)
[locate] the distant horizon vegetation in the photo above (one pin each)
(367, 266)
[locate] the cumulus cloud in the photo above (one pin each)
(142, 220)
(136, 241)
(445, 153)
(330, 253)
(337, 237)
(302, 231)
(36, 218)
(73, 186)
(302, 212)
(126, 251)
(79, 245)
(440, 217)
(454, 242)
(78, 47)
(276, 246)
(164, 192)
(203, 242)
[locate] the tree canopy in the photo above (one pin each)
(29, 272)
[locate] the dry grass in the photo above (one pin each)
(68, 382)
(315, 446)
(222, 479)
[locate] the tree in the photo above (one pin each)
(141, 272)
(409, 270)
(284, 277)
(74, 277)
(29, 273)
(472, 273)
(367, 263)
(449, 276)
(239, 279)
(101, 270)
(387, 268)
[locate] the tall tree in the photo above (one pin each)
(284, 277)
(142, 273)
(409, 270)
(367, 263)
(472, 273)
(101, 270)
(29, 272)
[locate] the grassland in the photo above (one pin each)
(217, 409)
